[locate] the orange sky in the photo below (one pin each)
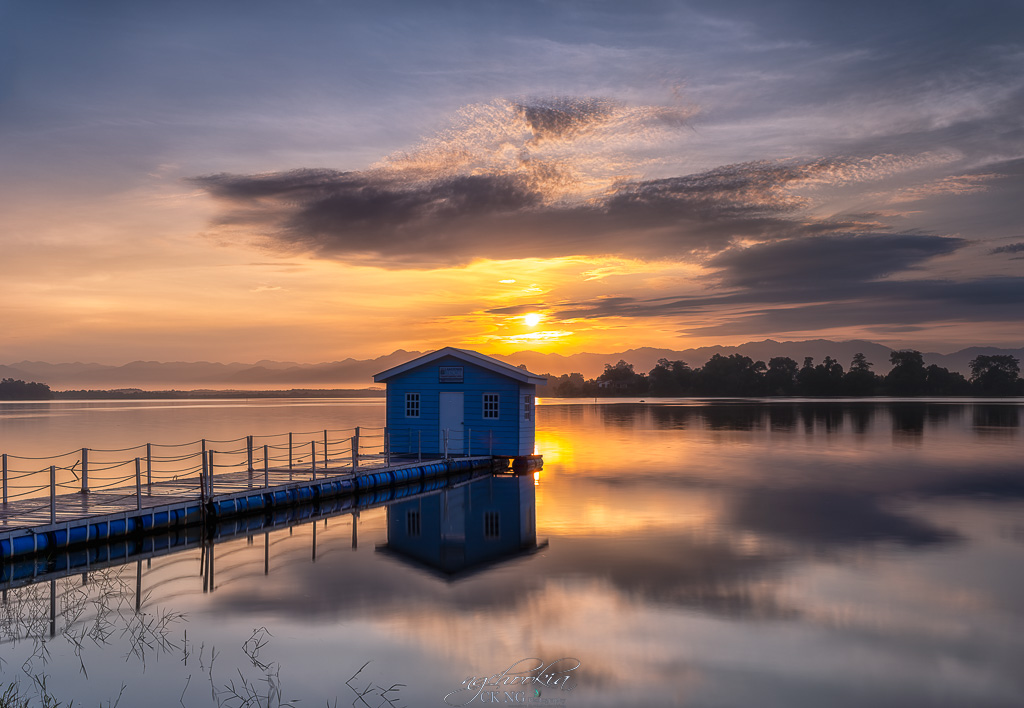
(180, 186)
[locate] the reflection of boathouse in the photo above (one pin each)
(467, 527)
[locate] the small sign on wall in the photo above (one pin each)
(449, 374)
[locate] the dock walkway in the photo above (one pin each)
(89, 496)
(73, 506)
(42, 524)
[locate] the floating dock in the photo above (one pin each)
(60, 563)
(45, 525)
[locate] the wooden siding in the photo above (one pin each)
(527, 436)
(507, 430)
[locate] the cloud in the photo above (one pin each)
(883, 308)
(989, 293)
(541, 178)
(1011, 248)
(828, 260)
(804, 270)
(520, 309)
(840, 280)
(951, 185)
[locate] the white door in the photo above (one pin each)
(452, 420)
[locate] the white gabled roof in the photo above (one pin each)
(471, 357)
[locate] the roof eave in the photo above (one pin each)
(499, 367)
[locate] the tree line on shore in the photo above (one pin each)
(740, 376)
(734, 375)
(17, 390)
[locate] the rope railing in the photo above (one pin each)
(117, 449)
(163, 468)
(174, 445)
(222, 442)
(28, 491)
(48, 457)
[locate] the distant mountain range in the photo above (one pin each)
(358, 373)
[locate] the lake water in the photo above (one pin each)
(681, 552)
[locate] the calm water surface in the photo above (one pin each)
(686, 553)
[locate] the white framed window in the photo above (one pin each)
(527, 407)
(412, 405)
(491, 407)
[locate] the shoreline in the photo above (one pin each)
(140, 394)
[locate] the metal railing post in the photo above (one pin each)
(248, 451)
(209, 477)
(149, 468)
(138, 484)
(85, 470)
(355, 451)
(325, 449)
(206, 469)
(445, 440)
(266, 466)
(289, 451)
(312, 453)
(5, 478)
(53, 494)
(387, 447)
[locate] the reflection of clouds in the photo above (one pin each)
(702, 571)
(873, 624)
(621, 644)
(828, 481)
(672, 511)
(830, 518)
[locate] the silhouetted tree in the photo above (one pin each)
(829, 375)
(570, 385)
(780, 379)
(18, 390)
(734, 375)
(622, 380)
(943, 382)
(807, 377)
(995, 375)
(670, 378)
(825, 379)
(860, 363)
(860, 380)
(907, 376)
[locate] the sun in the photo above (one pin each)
(533, 319)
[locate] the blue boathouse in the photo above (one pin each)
(460, 402)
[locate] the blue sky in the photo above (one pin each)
(220, 180)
